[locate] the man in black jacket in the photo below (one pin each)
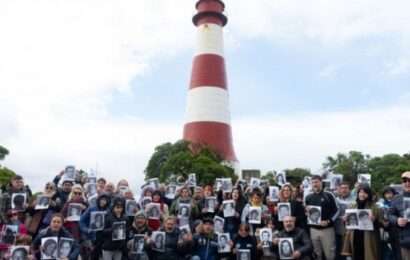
(398, 217)
(323, 235)
(301, 241)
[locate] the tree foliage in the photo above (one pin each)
(384, 169)
(178, 159)
(3, 152)
(5, 175)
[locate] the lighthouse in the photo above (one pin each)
(207, 110)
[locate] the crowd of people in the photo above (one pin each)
(80, 216)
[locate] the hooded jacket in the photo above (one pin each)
(86, 217)
(108, 243)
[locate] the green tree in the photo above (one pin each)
(387, 169)
(5, 175)
(3, 152)
(349, 165)
(295, 176)
(270, 177)
(178, 159)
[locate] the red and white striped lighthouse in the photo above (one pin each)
(207, 111)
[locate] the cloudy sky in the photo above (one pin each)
(101, 83)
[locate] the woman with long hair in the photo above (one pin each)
(76, 196)
(364, 244)
(155, 224)
(287, 195)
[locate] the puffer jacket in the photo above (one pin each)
(205, 247)
(397, 211)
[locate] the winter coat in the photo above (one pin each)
(205, 246)
(173, 250)
(86, 217)
(397, 211)
(47, 232)
(248, 242)
(371, 238)
(133, 231)
(109, 244)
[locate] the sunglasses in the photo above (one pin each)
(78, 193)
(404, 180)
(49, 188)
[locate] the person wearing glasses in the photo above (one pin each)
(76, 196)
(398, 219)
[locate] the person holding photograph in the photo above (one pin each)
(114, 249)
(244, 240)
(155, 224)
(301, 242)
(12, 220)
(287, 195)
(255, 201)
(76, 196)
(185, 198)
(56, 229)
(204, 244)
(323, 235)
(173, 248)
(16, 185)
(364, 244)
(138, 227)
(93, 239)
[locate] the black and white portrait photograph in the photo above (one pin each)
(335, 181)
(306, 183)
(365, 221)
(19, 252)
(364, 179)
(145, 201)
(265, 236)
(223, 243)
(407, 214)
(255, 215)
(191, 182)
(153, 211)
(69, 173)
(285, 248)
(92, 200)
(158, 241)
(64, 247)
(91, 189)
(280, 178)
(218, 184)
(255, 182)
(326, 184)
(153, 183)
(97, 220)
(42, 202)
(184, 230)
(406, 207)
(229, 208)
(274, 193)
(184, 210)
(210, 204)
(227, 185)
(18, 201)
(314, 215)
(138, 244)
(219, 224)
(131, 207)
(118, 230)
(49, 248)
(352, 219)
(8, 234)
(243, 254)
(284, 210)
(171, 191)
(74, 211)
